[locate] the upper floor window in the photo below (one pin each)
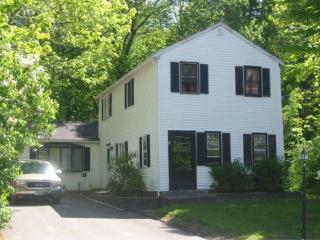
(129, 94)
(252, 81)
(252, 77)
(106, 107)
(189, 78)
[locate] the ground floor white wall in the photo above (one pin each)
(204, 179)
(96, 177)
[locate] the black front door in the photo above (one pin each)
(182, 160)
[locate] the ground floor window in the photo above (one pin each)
(259, 146)
(68, 159)
(144, 150)
(121, 149)
(213, 145)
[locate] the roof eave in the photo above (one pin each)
(128, 75)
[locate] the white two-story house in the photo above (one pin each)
(209, 99)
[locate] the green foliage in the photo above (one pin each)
(125, 179)
(239, 220)
(269, 175)
(26, 110)
(230, 177)
(312, 167)
(5, 215)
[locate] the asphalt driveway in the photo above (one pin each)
(81, 219)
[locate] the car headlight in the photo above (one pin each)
(19, 182)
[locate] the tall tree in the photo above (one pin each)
(84, 46)
(148, 33)
(299, 32)
(26, 110)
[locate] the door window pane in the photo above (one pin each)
(182, 153)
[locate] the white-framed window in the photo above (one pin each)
(252, 81)
(129, 94)
(259, 141)
(43, 154)
(144, 145)
(213, 145)
(145, 149)
(189, 77)
(122, 149)
(106, 107)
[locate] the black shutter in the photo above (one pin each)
(102, 103)
(226, 148)
(272, 143)
(125, 95)
(204, 78)
(132, 92)
(33, 153)
(110, 104)
(247, 149)
(175, 77)
(86, 159)
(148, 150)
(129, 93)
(239, 80)
(126, 148)
(201, 149)
(140, 151)
(266, 82)
(117, 150)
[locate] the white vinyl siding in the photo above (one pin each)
(221, 109)
(133, 122)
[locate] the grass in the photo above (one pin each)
(276, 219)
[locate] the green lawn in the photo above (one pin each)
(276, 219)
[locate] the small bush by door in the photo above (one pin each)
(125, 178)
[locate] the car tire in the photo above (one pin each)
(56, 200)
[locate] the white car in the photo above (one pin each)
(40, 180)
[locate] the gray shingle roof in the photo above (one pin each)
(75, 131)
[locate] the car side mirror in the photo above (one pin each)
(58, 171)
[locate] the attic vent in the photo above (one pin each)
(220, 31)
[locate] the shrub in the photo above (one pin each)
(125, 178)
(312, 168)
(5, 214)
(269, 175)
(230, 177)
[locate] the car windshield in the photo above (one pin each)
(37, 167)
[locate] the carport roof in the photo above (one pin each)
(75, 131)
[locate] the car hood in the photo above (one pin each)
(38, 177)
